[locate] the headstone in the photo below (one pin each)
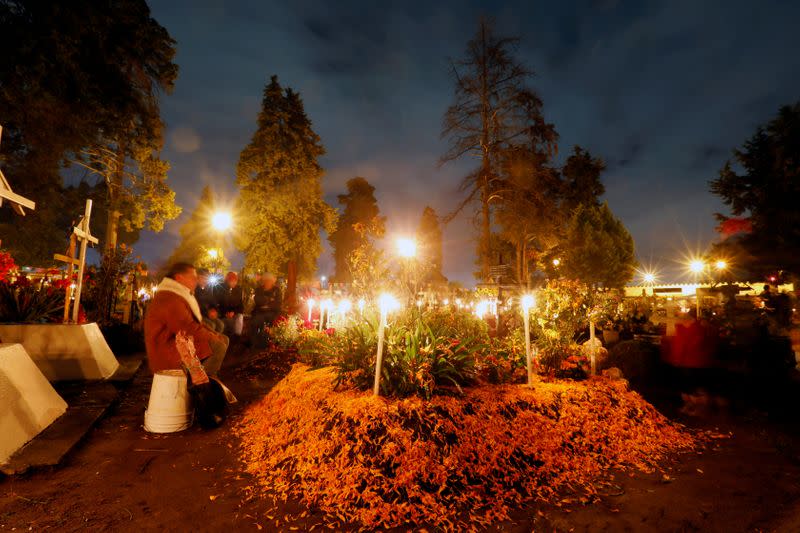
(28, 403)
(65, 352)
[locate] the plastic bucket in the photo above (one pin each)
(169, 408)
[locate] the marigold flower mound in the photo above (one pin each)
(392, 462)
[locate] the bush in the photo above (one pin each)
(29, 304)
(286, 332)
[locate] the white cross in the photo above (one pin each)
(82, 233)
(18, 203)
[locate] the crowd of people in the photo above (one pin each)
(189, 300)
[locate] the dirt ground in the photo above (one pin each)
(124, 479)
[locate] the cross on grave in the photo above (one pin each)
(81, 233)
(18, 203)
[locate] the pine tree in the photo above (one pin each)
(761, 186)
(280, 208)
(360, 207)
(493, 108)
(597, 249)
(582, 184)
(429, 240)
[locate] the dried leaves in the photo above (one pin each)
(382, 462)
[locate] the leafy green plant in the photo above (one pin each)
(29, 304)
(286, 333)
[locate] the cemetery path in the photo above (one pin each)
(124, 479)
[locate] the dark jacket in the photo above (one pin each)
(208, 297)
(268, 301)
(231, 299)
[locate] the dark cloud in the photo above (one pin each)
(660, 90)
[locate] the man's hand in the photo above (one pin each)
(229, 314)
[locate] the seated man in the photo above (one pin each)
(231, 303)
(174, 309)
(267, 306)
(207, 295)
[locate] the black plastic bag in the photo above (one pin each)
(210, 404)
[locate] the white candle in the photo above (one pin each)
(593, 350)
(386, 302)
(527, 302)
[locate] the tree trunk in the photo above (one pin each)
(486, 222)
(114, 189)
(290, 298)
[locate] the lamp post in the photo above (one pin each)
(527, 301)
(386, 303)
(221, 221)
(407, 251)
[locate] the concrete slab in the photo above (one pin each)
(28, 403)
(64, 352)
(88, 402)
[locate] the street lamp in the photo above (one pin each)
(696, 266)
(222, 221)
(406, 247)
(721, 264)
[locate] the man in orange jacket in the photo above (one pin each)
(174, 309)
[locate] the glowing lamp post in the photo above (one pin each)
(527, 302)
(697, 267)
(222, 221)
(386, 303)
(406, 248)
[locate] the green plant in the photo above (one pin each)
(29, 304)
(286, 333)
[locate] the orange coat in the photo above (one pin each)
(166, 315)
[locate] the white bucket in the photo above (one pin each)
(169, 408)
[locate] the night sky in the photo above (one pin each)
(661, 92)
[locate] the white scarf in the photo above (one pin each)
(170, 285)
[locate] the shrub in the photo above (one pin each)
(286, 332)
(29, 304)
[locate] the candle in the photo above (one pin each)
(593, 350)
(386, 303)
(527, 302)
(310, 308)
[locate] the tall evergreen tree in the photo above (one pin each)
(280, 206)
(582, 184)
(761, 186)
(360, 207)
(493, 108)
(597, 249)
(429, 239)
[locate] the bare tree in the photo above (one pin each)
(493, 109)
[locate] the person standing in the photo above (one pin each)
(231, 304)
(268, 300)
(207, 295)
(174, 309)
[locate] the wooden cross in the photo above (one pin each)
(18, 203)
(82, 233)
